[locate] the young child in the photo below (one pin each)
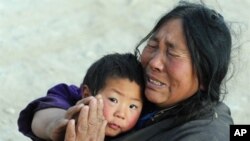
(119, 79)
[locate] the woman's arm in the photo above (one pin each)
(50, 124)
(46, 122)
(59, 97)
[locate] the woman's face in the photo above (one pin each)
(166, 59)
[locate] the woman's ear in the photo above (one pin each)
(85, 91)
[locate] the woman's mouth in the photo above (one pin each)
(152, 83)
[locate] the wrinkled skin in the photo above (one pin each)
(166, 59)
(171, 77)
(91, 124)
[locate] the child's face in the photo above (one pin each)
(122, 105)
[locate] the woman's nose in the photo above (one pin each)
(156, 61)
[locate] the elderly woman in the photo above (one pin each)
(186, 59)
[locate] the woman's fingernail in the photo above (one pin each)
(99, 96)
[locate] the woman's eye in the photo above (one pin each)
(152, 44)
(172, 53)
(114, 100)
(133, 106)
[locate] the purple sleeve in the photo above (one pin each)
(60, 96)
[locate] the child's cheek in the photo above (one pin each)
(106, 111)
(132, 121)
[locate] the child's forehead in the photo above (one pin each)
(123, 87)
(119, 79)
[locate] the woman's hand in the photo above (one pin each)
(56, 129)
(90, 123)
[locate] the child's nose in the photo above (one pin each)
(120, 115)
(120, 112)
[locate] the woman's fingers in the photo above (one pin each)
(85, 101)
(57, 131)
(72, 111)
(70, 134)
(90, 124)
(101, 120)
(101, 133)
(82, 124)
(92, 119)
(100, 108)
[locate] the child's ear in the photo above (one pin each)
(85, 91)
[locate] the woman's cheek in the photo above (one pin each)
(144, 57)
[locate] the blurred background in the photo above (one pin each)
(45, 42)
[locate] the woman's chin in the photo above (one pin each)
(152, 96)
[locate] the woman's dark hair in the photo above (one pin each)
(114, 66)
(209, 44)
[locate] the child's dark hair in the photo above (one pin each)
(114, 66)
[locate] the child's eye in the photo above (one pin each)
(133, 106)
(114, 100)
